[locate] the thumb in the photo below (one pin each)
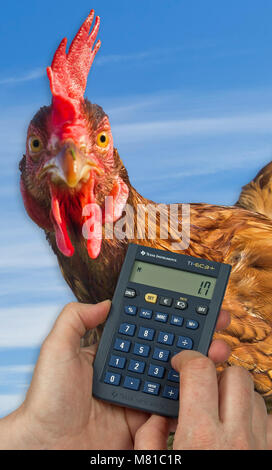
(153, 434)
(73, 322)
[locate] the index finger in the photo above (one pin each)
(198, 388)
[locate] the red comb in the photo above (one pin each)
(68, 72)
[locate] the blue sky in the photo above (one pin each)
(188, 90)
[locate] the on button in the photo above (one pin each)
(130, 293)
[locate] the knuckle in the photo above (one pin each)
(240, 376)
(243, 382)
(240, 373)
(199, 364)
(200, 437)
(259, 400)
(71, 306)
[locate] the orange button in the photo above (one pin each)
(152, 298)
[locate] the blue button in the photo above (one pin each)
(156, 371)
(130, 309)
(176, 320)
(131, 382)
(161, 317)
(117, 361)
(165, 338)
(146, 333)
(141, 349)
(144, 313)
(184, 342)
(161, 354)
(173, 375)
(152, 388)
(170, 392)
(136, 366)
(122, 345)
(193, 324)
(127, 329)
(112, 378)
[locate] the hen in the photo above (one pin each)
(69, 168)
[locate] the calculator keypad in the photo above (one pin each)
(143, 346)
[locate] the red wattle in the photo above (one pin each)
(92, 223)
(116, 201)
(62, 238)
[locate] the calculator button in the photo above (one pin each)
(165, 338)
(141, 349)
(181, 304)
(136, 366)
(144, 313)
(130, 293)
(151, 298)
(184, 342)
(192, 324)
(130, 309)
(202, 309)
(173, 376)
(166, 301)
(127, 329)
(176, 320)
(112, 379)
(117, 361)
(170, 392)
(146, 333)
(161, 354)
(121, 345)
(156, 371)
(161, 317)
(131, 382)
(152, 388)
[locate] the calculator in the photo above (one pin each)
(163, 303)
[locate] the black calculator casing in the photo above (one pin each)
(201, 336)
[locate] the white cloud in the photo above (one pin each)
(135, 57)
(257, 123)
(27, 326)
(27, 255)
(9, 375)
(202, 165)
(30, 75)
(116, 58)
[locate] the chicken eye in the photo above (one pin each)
(102, 139)
(35, 144)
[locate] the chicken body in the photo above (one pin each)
(71, 164)
(225, 234)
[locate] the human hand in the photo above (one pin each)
(215, 412)
(59, 411)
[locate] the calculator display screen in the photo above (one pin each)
(173, 279)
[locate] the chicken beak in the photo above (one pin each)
(70, 165)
